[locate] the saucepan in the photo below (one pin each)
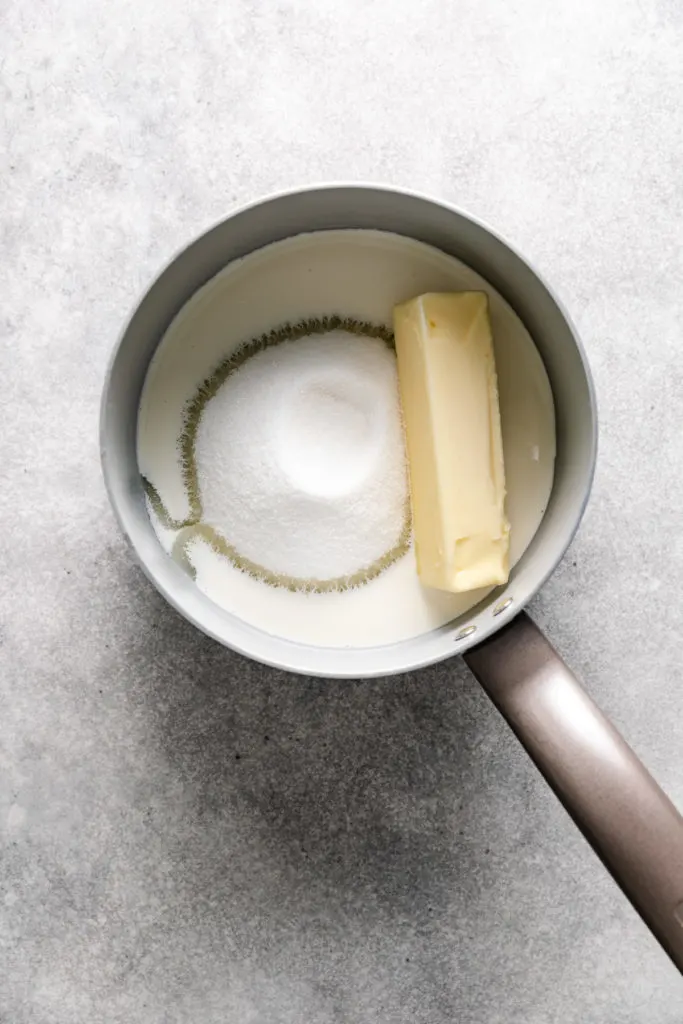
(631, 824)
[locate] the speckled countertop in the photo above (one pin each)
(188, 837)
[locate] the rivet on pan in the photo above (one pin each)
(502, 606)
(467, 631)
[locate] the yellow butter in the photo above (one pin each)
(449, 393)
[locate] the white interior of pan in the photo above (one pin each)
(362, 275)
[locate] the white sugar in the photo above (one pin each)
(300, 457)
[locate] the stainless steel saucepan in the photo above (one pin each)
(633, 827)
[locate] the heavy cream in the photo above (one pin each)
(358, 276)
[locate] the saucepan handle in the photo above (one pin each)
(628, 820)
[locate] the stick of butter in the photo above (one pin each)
(449, 392)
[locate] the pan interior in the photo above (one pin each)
(356, 276)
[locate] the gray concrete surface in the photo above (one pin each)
(187, 837)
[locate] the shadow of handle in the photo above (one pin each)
(625, 816)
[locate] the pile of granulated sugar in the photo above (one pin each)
(300, 463)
